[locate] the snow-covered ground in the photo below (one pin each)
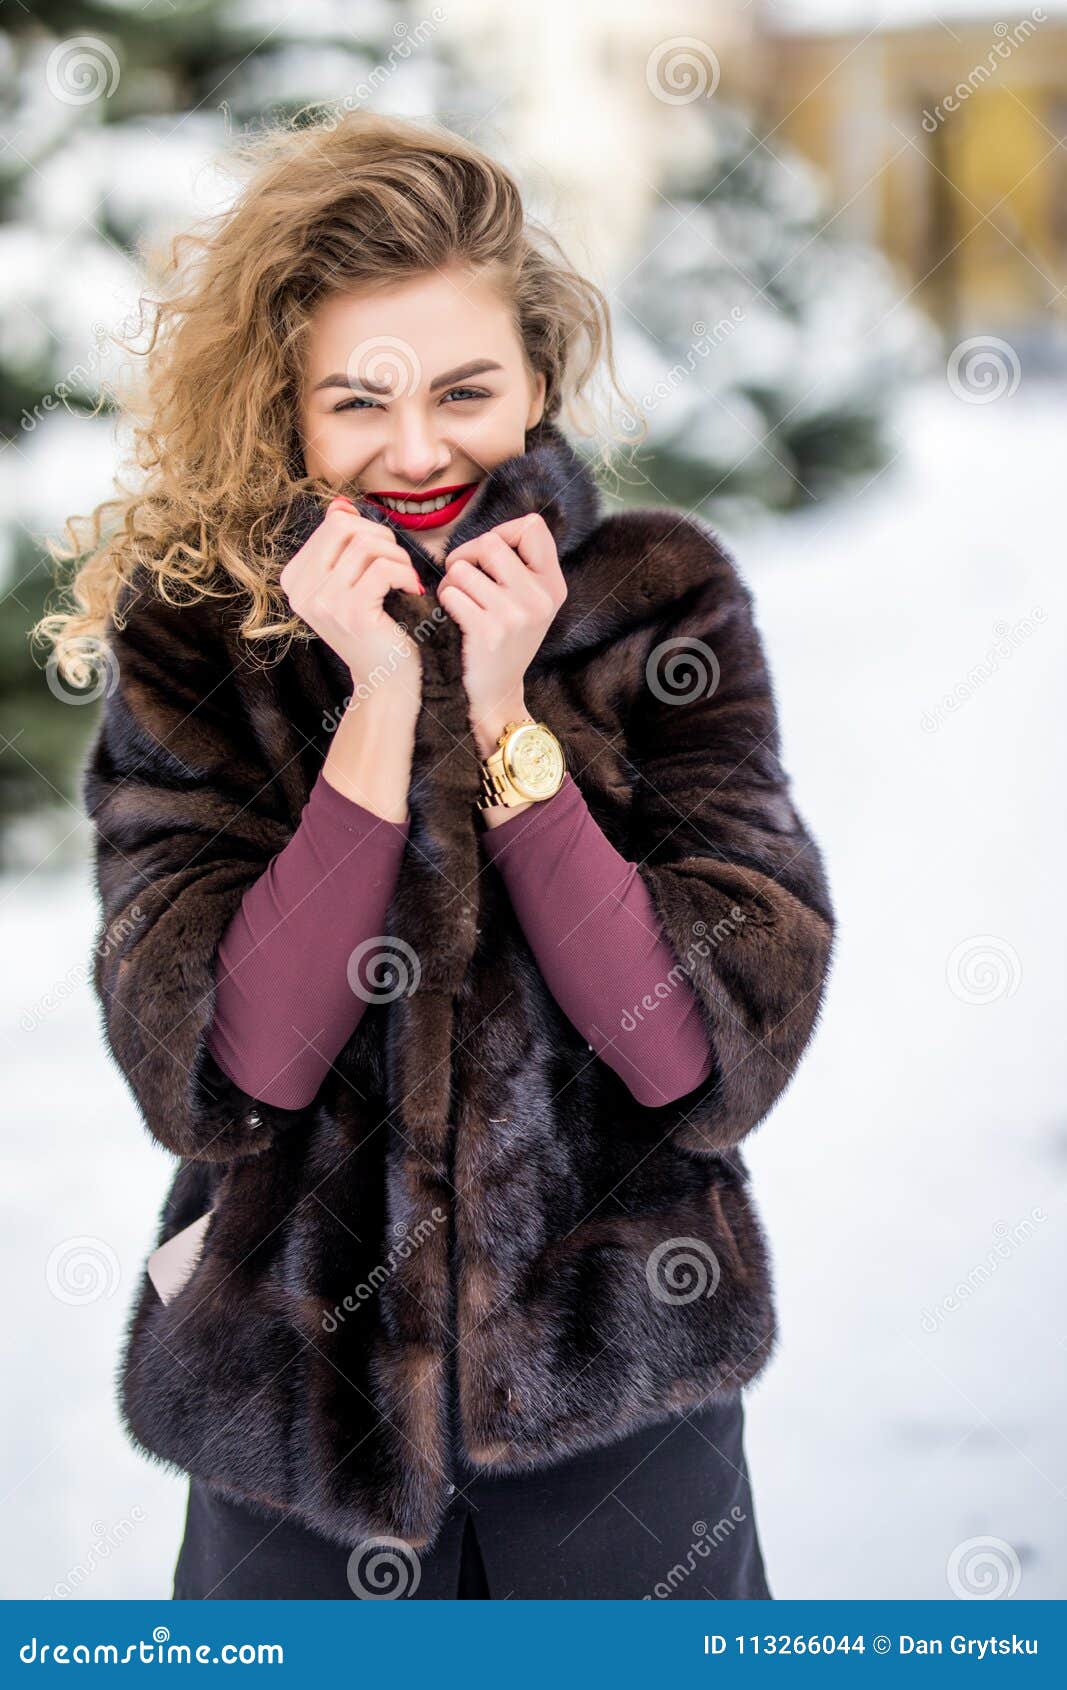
(912, 1179)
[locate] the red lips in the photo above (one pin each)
(430, 518)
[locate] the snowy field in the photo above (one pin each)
(912, 1178)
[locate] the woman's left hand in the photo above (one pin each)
(503, 588)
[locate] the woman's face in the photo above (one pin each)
(416, 389)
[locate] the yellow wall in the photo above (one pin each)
(971, 200)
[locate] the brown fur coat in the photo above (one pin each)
(472, 1189)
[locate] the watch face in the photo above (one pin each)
(534, 761)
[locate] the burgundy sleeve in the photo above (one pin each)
(284, 1002)
(589, 919)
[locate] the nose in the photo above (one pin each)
(417, 452)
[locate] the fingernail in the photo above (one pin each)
(341, 500)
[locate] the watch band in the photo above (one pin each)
(497, 789)
(496, 786)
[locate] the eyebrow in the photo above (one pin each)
(476, 367)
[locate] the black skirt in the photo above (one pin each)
(665, 1513)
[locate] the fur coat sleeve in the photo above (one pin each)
(186, 816)
(733, 872)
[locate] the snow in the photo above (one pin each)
(61, 463)
(183, 174)
(747, 294)
(83, 1187)
(921, 1147)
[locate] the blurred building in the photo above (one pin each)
(940, 136)
(596, 101)
(943, 140)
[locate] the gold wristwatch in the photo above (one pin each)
(527, 764)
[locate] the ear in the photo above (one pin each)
(537, 401)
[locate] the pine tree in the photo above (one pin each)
(763, 351)
(115, 112)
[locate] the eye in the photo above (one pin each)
(465, 393)
(350, 404)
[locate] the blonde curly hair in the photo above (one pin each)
(212, 406)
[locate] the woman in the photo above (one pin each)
(458, 922)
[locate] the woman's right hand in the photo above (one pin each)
(336, 583)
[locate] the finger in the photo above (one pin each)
(319, 553)
(531, 537)
(380, 575)
(496, 561)
(338, 594)
(493, 556)
(362, 549)
(486, 592)
(325, 547)
(461, 607)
